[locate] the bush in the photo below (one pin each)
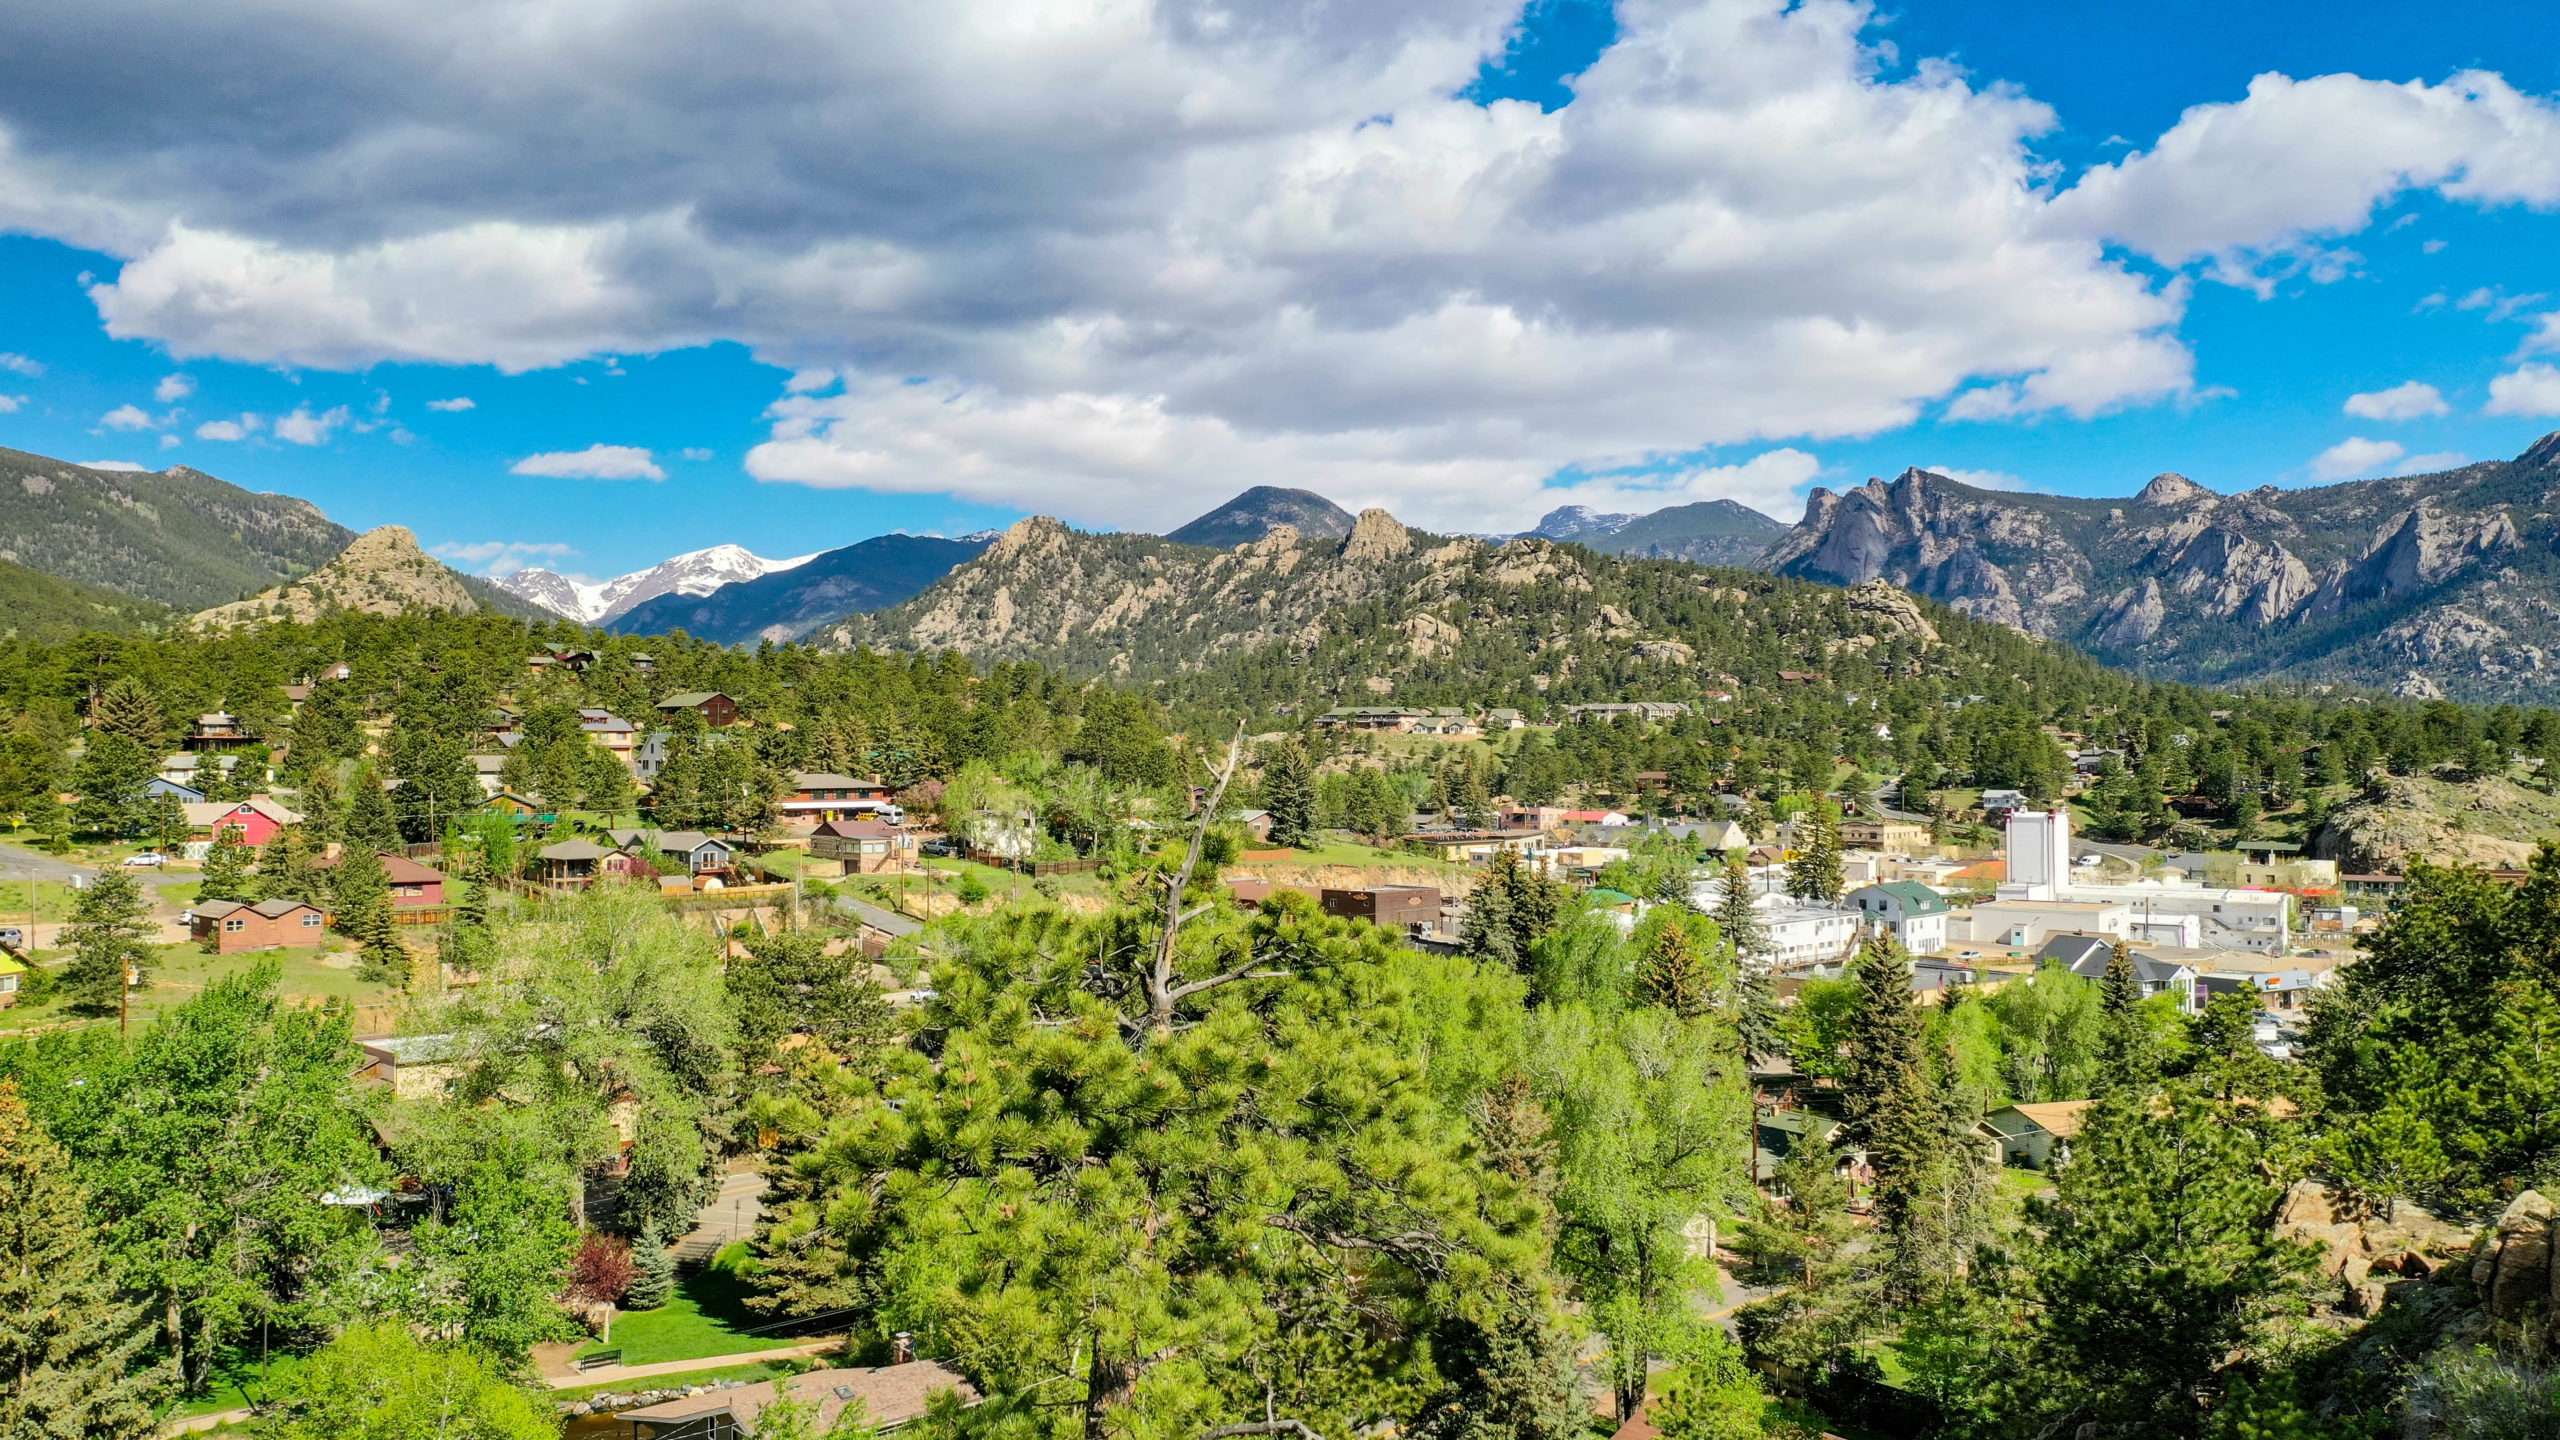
(971, 889)
(602, 1271)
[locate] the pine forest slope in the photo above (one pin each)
(786, 604)
(1391, 615)
(37, 606)
(2443, 583)
(177, 537)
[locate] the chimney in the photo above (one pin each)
(902, 1347)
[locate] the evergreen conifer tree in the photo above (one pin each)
(2125, 1055)
(125, 708)
(360, 906)
(70, 1345)
(1673, 974)
(1289, 793)
(107, 938)
(226, 868)
(653, 1273)
(1815, 873)
(370, 824)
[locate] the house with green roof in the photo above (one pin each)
(1909, 911)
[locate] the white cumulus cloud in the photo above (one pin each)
(173, 388)
(126, 417)
(2532, 389)
(2356, 457)
(17, 364)
(596, 462)
(121, 467)
(305, 427)
(12, 404)
(455, 405)
(2409, 400)
(239, 429)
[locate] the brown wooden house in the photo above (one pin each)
(231, 927)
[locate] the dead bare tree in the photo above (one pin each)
(1164, 990)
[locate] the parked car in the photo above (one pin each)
(146, 860)
(12, 938)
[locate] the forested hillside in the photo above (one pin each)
(178, 538)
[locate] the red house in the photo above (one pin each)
(230, 927)
(256, 819)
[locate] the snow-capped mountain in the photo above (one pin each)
(696, 572)
(1579, 522)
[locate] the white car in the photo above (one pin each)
(147, 860)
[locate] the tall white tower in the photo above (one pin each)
(2039, 853)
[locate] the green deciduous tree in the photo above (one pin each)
(378, 1381)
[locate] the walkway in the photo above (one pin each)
(617, 1374)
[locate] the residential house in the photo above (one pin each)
(412, 884)
(487, 770)
(883, 1399)
(1996, 804)
(1931, 977)
(2036, 1136)
(257, 819)
(411, 1067)
(219, 730)
(818, 795)
(1776, 1134)
(1392, 907)
(1593, 817)
(609, 730)
(716, 709)
(1474, 846)
(1256, 823)
(650, 756)
(579, 863)
(159, 785)
(700, 854)
(1649, 711)
(879, 929)
(1390, 719)
(12, 976)
(1504, 718)
(518, 807)
(867, 847)
(2088, 956)
(231, 927)
(1909, 911)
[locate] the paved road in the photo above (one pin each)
(19, 865)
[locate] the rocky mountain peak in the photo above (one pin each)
(2171, 488)
(2543, 454)
(1377, 535)
(1029, 536)
(1251, 515)
(381, 572)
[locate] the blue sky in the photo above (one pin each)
(1117, 268)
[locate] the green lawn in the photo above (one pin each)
(51, 899)
(180, 972)
(242, 1380)
(707, 1316)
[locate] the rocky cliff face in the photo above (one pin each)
(382, 572)
(2449, 581)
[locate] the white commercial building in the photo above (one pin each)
(2163, 912)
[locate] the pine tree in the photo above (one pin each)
(370, 824)
(108, 939)
(360, 906)
(1739, 919)
(125, 708)
(2125, 1055)
(168, 826)
(70, 1347)
(1289, 793)
(1815, 873)
(226, 868)
(286, 871)
(1673, 974)
(653, 1273)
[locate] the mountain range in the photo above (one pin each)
(695, 572)
(1704, 532)
(2428, 584)
(796, 596)
(2445, 583)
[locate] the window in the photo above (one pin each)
(310, 920)
(234, 927)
